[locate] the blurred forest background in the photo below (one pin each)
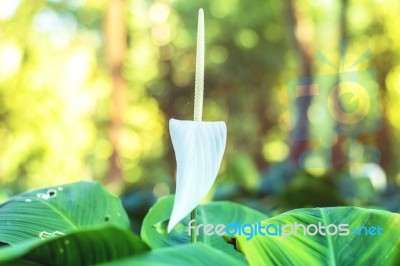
(87, 88)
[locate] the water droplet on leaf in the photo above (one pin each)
(45, 235)
(52, 193)
(42, 196)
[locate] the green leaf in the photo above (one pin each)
(189, 254)
(154, 228)
(351, 249)
(86, 247)
(57, 210)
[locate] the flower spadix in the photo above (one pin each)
(199, 147)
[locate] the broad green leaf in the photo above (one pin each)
(189, 254)
(85, 247)
(154, 231)
(57, 210)
(356, 248)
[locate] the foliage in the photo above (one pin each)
(62, 209)
(88, 239)
(154, 225)
(83, 247)
(358, 248)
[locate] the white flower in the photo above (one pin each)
(199, 147)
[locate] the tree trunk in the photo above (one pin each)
(299, 31)
(339, 158)
(115, 49)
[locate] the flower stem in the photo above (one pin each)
(193, 216)
(198, 96)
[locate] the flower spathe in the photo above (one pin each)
(199, 148)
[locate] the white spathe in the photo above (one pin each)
(199, 147)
